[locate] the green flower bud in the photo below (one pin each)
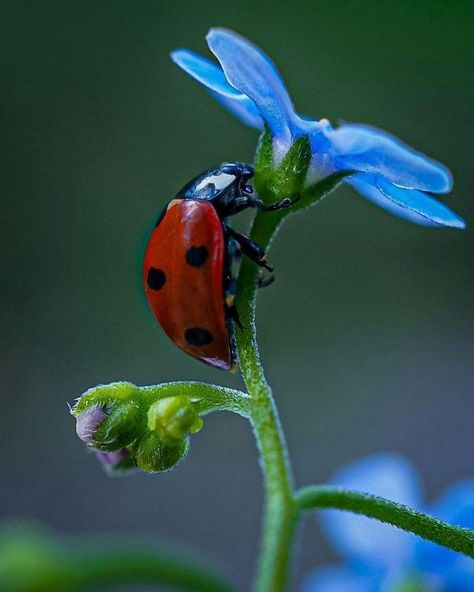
(155, 456)
(116, 463)
(129, 426)
(88, 422)
(110, 417)
(123, 424)
(172, 418)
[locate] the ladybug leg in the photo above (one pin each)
(229, 291)
(238, 204)
(265, 280)
(250, 248)
(235, 254)
(229, 297)
(233, 248)
(234, 315)
(254, 202)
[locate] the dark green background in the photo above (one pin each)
(367, 333)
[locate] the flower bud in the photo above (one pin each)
(126, 429)
(116, 462)
(155, 456)
(123, 424)
(172, 418)
(88, 422)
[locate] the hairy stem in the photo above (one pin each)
(283, 506)
(208, 397)
(431, 529)
(280, 509)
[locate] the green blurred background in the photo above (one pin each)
(367, 333)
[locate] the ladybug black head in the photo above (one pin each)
(219, 185)
(241, 169)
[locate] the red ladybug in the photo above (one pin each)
(187, 270)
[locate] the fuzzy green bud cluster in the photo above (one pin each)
(132, 427)
(172, 418)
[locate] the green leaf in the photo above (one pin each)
(33, 560)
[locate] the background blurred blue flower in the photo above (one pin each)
(379, 557)
(387, 172)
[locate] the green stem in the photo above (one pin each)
(283, 506)
(280, 509)
(208, 397)
(454, 537)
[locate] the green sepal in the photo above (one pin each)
(264, 166)
(290, 176)
(154, 456)
(125, 422)
(106, 394)
(319, 190)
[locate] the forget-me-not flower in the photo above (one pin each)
(381, 558)
(386, 171)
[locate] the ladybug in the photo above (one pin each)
(187, 269)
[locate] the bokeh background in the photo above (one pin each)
(367, 335)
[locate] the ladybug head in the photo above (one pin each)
(239, 169)
(220, 185)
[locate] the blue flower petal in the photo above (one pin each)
(212, 77)
(340, 579)
(366, 185)
(457, 507)
(365, 540)
(252, 73)
(242, 108)
(459, 582)
(409, 204)
(370, 150)
(420, 203)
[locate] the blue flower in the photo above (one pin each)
(387, 172)
(379, 557)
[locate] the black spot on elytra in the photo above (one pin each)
(196, 256)
(155, 278)
(198, 336)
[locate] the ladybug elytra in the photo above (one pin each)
(187, 270)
